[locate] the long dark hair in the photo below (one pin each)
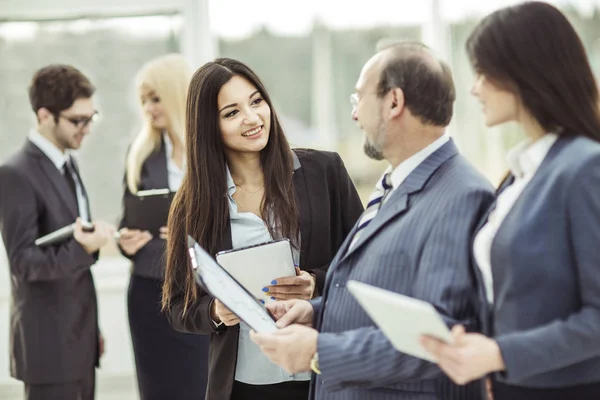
(532, 50)
(200, 207)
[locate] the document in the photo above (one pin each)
(148, 210)
(254, 267)
(220, 284)
(402, 319)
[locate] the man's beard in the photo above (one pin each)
(374, 150)
(60, 139)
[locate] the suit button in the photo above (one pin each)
(337, 285)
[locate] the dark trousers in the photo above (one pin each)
(294, 390)
(80, 390)
(582, 392)
(169, 365)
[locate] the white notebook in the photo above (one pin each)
(402, 319)
(254, 267)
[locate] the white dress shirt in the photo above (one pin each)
(59, 158)
(174, 173)
(523, 161)
(403, 170)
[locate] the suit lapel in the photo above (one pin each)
(398, 203)
(506, 182)
(156, 170)
(53, 175)
(304, 212)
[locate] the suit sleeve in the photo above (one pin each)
(19, 215)
(364, 357)
(197, 316)
(346, 202)
(577, 338)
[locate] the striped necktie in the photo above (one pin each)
(382, 189)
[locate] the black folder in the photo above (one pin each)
(148, 210)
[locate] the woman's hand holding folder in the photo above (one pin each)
(302, 286)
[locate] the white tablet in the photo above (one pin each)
(254, 267)
(216, 281)
(402, 319)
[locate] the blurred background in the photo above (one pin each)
(309, 55)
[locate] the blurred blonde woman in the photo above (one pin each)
(170, 365)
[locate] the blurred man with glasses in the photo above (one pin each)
(55, 342)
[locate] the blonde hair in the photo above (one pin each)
(169, 76)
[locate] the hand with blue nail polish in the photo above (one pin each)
(302, 286)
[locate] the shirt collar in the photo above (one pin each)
(401, 172)
(231, 184)
(524, 159)
(55, 155)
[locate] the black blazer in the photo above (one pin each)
(53, 312)
(328, 208)
(149, 261)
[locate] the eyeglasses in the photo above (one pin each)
(81, 122)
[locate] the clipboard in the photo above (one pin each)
(411, 318)
(220, 284)
(254, 267)
(148, 210)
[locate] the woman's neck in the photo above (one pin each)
(532, 128)
(246, 169)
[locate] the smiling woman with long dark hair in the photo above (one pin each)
(537, 257)
(244, 185)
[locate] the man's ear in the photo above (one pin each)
(44, 116)
(397, 102)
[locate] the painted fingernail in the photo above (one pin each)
(272, 298)
(265, 289)
(273, 282)
(262, 301)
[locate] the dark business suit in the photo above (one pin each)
(328, 206)
(546, 278)
(418, 245)
(53, 312)
(169, 364)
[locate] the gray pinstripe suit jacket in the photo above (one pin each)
(419, 245)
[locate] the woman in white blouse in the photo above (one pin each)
(536, 254)
(169, 365)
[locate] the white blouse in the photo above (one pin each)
(174, 173)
